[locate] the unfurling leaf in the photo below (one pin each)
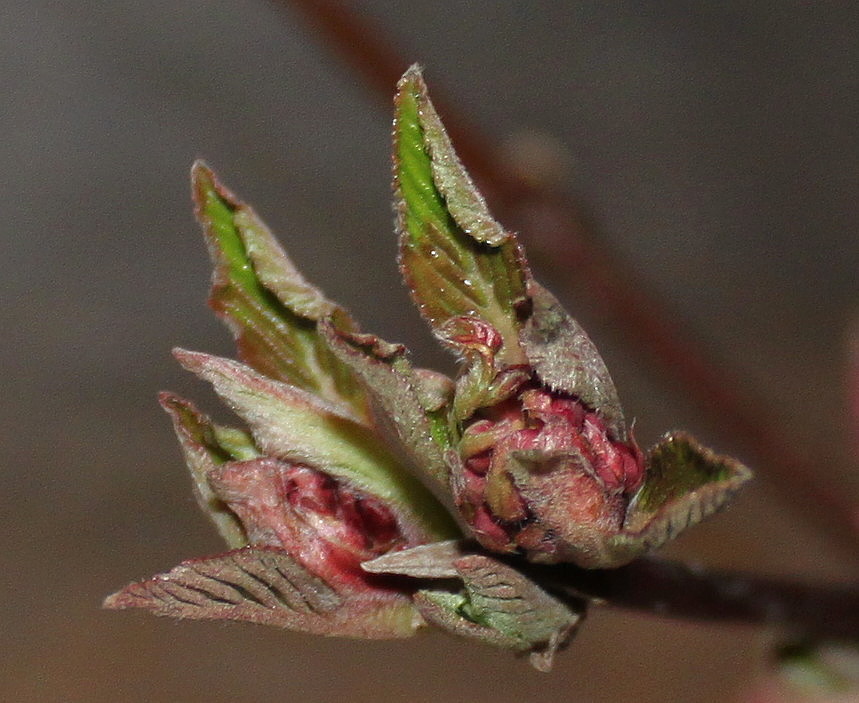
(566, 360)
(414, 403)
(456, 259)
(501, 607)
(497, 604)
(428, 561)
(266, 586)
(544, 465)
(271, 310)
(203, 451)
(292, 425)
(685, 483)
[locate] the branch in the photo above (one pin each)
(672, 589)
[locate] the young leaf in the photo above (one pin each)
(502, 607)
(266, 586)
(685, 482)
(270, 308)
(455, 258)
(427, 561)
(203, 451)
(290, 424)
(418, 417)
(565, 359)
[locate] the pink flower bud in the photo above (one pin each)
(326, 525)
(539, 468)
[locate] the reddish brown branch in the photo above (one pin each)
(671, 589)
(571, 248)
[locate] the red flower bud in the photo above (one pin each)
(540, 466)
(326, 525)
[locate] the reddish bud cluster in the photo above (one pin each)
(539, 461)
(318, 519)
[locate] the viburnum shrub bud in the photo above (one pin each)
(319, 497)
(531, 442)
(310, 490)
(536, 444)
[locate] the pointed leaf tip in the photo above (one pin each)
(267, 304)
(464, 202)
(414, 76)
(456, 259)
(267, 586)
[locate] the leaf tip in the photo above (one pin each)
(169, 401)
(189, 360)
(123, 599)
(200, 170)
(203, 182)
(413, 78)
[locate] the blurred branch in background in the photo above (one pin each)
(569, 247)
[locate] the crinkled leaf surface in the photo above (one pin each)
(204, 451)
(498, 605)
(270, 308)
(685, 482)
(456, 260)
(330, 528)
(565, 359)
(502, 607)
(483, 381)
(290, 424)
(266, 586)
(417, 413)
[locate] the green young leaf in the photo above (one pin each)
(204, 448)
(498, 605)
(271, 310)
(455, 258)
(415, 404)
(267, 586)
(502, 607)
(291, 424)
(685, 483)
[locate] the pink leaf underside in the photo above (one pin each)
(266, 586)
(324, 525)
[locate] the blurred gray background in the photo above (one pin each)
(714, 144)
